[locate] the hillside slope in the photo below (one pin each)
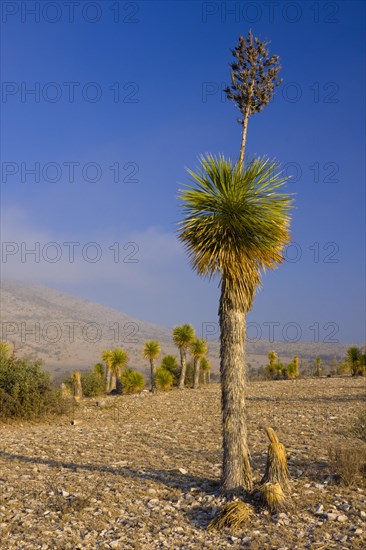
(68, 332)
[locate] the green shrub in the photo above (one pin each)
(93, 385)
(132, 381)
(164, 379)
(26, 391)
(170, 363)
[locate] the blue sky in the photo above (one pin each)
(124, 101)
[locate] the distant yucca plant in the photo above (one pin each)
(164, 379)
(132, 381)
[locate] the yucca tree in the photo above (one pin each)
(198, 350)
(273, 358)
(151, 351)
(118, 362)
(107, 358)
(235, 225)
(205, 367)
(183, 336)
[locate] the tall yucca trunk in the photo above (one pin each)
(119, 384)
(153, 375)
(108, 376)
(183, 362)
(237, 474)
(196, 379)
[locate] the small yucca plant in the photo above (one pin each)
(164, 379)
(132, 381)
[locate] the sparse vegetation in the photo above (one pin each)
(170, 363)
(183, 336)
(25, 389)
(356, 361)
(93, 383)
(151, 351)
(205, 366)
(132, 381)
(119, 361)
(164, 379)
(198, 349)
(348, 462)
(276, 370)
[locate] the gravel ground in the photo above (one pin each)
(143, 471)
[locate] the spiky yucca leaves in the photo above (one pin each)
(182, 337)
(236, 223)
(233, 514)
(151, 352)
(132, 381)
(198, 350)
(273, 496)
(170, 363)
(164, 379)
(119, 361)
(276, 468)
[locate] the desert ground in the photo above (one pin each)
(143, 471)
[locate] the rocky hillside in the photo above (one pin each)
(68, 332)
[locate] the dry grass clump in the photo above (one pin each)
(233, 514)
(348, 462)
(358, 430)
(273, 496)
(276, 468)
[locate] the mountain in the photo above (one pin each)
(69, 333)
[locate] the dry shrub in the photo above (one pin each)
(358, 430)
(347, 462)
(233, 514)
(272, 496)
(276, 468)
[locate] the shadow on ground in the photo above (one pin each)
(171, 478)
